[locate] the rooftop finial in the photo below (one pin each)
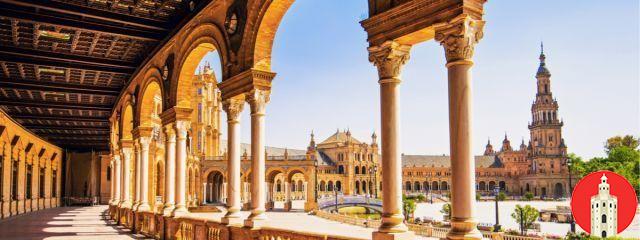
(542, 56)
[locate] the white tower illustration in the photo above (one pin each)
(604, 211)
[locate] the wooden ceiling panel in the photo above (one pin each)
(63, 63)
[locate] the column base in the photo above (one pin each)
(310, 206)
(168, 210)
(464, 229)
(126, 204)
(144, 207)
(256, 221)
(393, 223)
(393, 236)
(288, 205)
(232, 218)
(180, 211)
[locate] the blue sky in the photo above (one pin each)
(325, 81)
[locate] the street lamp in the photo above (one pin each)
(375, 180)
(315, 165)
(496, 192)
(571, 221)
(335, 192)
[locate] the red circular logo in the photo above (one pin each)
(596, 186)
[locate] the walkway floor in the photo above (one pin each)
(64, 223)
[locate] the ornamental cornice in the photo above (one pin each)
(245, 82)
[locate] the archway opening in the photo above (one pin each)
(214, 186)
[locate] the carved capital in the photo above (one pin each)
(182, 127)
(143, 143)
(459, 37)
(126, 153)
(233, 108)
(389, 57)
(258, 100)
(170, 132)
(116, 160)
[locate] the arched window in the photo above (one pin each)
(322, 186)
(14, 180)
(41, 183)
(29, 180)
(604, 218)
(416, 186)
(340, 169)
(357, 169)
(357, 187)
(407, 186)
(330, 186)
(363, 170)
(278, 186)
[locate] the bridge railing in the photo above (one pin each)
(348, 200)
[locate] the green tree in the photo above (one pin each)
(446, 211)
(502, 196)
(528, 196)
(408, 207)
(525, 216)
(620, 141)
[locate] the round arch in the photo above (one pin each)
(127, 122)
(262, 40)
(147, 103)
(199, 41)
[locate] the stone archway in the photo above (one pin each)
(214, 186)
(558, 190)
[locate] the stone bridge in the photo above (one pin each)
(350, 201)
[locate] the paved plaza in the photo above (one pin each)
(68, 223)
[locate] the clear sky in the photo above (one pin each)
(325, 81)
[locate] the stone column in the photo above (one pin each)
(126, 177)
(389, 57)
(204, 193)
(181, 169)
(258, 100)
(169, 169)
(458, 38)
(116, 179)
(143, 142)
(233, 107)
(136, 189)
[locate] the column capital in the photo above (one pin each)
(181, 128)
(126, 151)
(144, 142)
(459, 38)
(170, 132)
(258, 99)
(233, 107)
(389, 57)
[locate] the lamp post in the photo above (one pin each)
(571, 221)
(335, 192)
(375, 180)
(315, 179)
(496, 192)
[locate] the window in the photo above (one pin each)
(199, 112)
(199, 91)
(14, 180)
(108, 173)
(54, 184)
(604, 218)
(41, 183)
(29, 181)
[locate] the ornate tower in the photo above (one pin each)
(488, 149)
(548, 152)
(604, 211)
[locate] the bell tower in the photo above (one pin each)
(548, 151)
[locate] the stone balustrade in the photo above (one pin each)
(421, 230)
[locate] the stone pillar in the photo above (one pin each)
(204, 193)
(169, 169)
(136, 190)
(458, 38)
(181, 169)
(258, 100)
(126, 177)
(143, 143)
(389, 58)
(287, 196)
(233, 107)
(116, 180)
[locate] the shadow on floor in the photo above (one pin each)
(65, 223)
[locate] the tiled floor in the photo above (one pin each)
(64, 223)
